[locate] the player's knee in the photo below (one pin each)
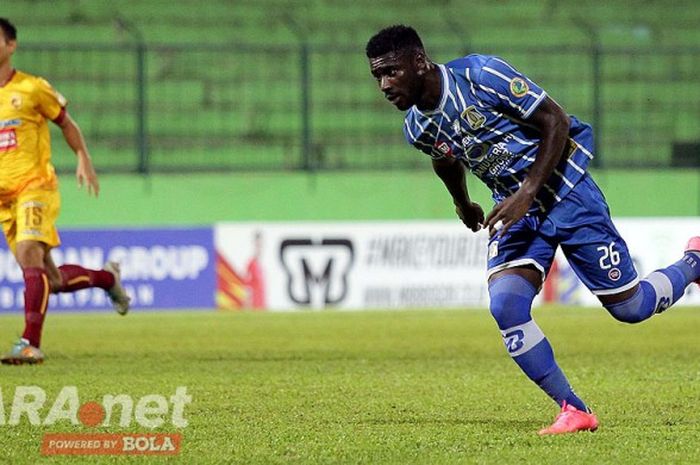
(30, 254)
(625, 315)
(632, 310)
(503, 307)
(55, 283)
(511, 300)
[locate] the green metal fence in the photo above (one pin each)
(203, 108)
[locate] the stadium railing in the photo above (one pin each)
(171, 108)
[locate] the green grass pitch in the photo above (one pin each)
(395, 387)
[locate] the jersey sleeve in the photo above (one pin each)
(504, 87)
(49, 102)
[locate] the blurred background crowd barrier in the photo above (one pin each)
(284, 85)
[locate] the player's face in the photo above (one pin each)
(7, 48)
(397, 77)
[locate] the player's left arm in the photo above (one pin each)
(553, 124)
(85, 171)
(52, 105)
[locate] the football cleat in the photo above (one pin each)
(117, 294)
(571, 420)
(23, 352)
(694, 246)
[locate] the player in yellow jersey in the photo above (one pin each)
(29, 197)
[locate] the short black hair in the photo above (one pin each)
(397, 38)
(8, 29)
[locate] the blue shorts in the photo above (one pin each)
(580, 223)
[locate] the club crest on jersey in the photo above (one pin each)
(614, 274)
(443, 148)
(473, 117)
(16, 101)
(518, 87)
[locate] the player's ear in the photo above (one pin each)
(421, 62)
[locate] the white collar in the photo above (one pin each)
(445, 89)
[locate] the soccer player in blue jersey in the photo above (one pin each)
(481, 114)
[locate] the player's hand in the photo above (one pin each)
(85, 173)
(472, 215)
(507, 213)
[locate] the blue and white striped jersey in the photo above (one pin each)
(481, 120)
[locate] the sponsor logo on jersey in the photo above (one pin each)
(473, 117)
(32, 232)
(443, 148)
(8, 139)
(499, 157)
(476, 153)
(615, 274)
(33, 203)
(518, 87)
(493, 250)
(467, 140)
(9, 122)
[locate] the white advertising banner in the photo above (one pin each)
(399, 264)
(350, 265)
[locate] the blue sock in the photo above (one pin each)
(658, 291)
(511, 300)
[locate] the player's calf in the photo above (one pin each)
(511, 300)
(660, 289)
(637, 308)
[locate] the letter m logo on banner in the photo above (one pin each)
(317, 271)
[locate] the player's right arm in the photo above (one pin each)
(453, 175)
